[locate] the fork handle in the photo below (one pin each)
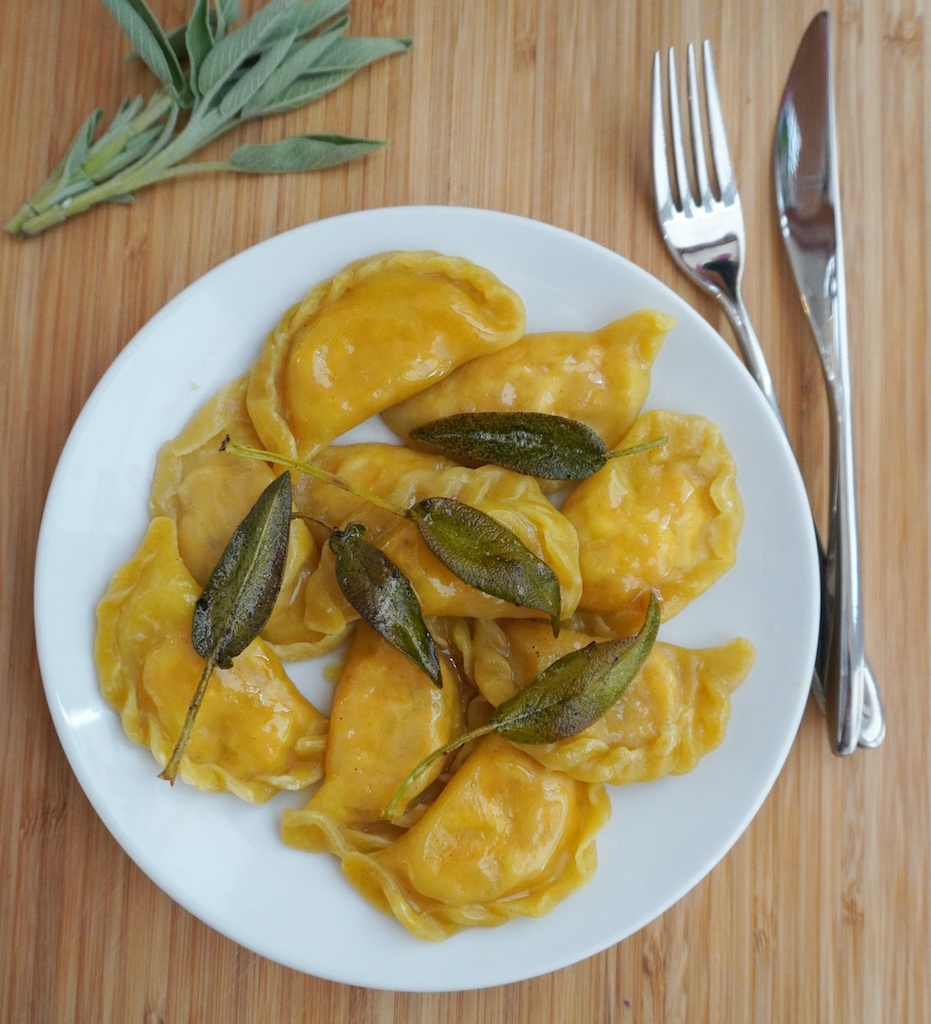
(733, 306)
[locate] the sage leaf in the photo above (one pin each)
(310, 15)
(487, 555)
(253, 80)
(198, 40)
(303, 90)
(322, 65)
(151, 43)
(351, 53)
(226, 12)
(384, 597)
(176, 40)
(535, 443)
(239, 596)
(299, 62)
(178, 37)
(242, 589)
(565, 699)
(300, 153)
(230, 52)
(575, 691)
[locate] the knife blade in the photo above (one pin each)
(808, 201)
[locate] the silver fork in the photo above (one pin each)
(705, 235)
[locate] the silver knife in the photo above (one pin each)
(808, 200)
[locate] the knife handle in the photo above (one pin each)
(870, 727)
(841, 655)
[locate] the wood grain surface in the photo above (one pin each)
(820, 912)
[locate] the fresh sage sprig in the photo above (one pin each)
(536, 443)
(565, 699)
(213, 78)
(470, 543)
(384, 597)
(238, 598)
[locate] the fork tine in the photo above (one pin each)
(678, 150)
(661, 183)
(698, 142)
(716, 132)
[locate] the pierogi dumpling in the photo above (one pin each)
(600, 378)
(205, 491)
(383, 329)
(387, 716)
(674, 711)
(208, 492)
(506, 838)
(664, 521)
(254, 735)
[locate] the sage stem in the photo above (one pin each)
(637, 449)
(171, 769)
(258, 454)
(431, 759)
(99, 156)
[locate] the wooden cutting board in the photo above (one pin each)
(820, 911)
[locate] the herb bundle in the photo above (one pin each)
(213, 78)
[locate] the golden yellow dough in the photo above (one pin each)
(506, 838)
(383, 329)
(600, 378)
(674, 712)
(387, 716)
(404, 477)
(665, 521)
(208, 492)
(254, 735)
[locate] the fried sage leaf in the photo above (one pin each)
(536, 443)
(565, 699)
(384, 597)
(575, 691)
(487, 555)
(238, 598)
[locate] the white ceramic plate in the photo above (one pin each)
(222, 859)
